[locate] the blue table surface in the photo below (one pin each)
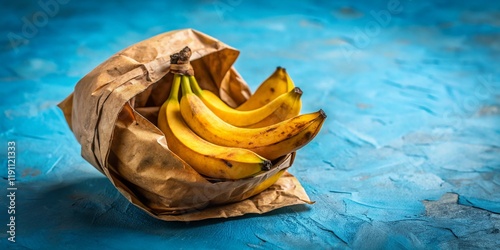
(409, 156)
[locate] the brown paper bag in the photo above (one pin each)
(113, 113)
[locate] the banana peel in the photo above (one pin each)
(113, 111)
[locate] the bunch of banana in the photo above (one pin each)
(223, 142)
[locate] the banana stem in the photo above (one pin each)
(186, 89)
(174, 90)
(194, 84)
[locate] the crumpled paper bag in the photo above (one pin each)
(113, 113)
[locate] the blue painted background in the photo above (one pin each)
(409, 156)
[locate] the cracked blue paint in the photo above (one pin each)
(408, 157)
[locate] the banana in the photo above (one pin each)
(269, 142)
(206, 158)
(264, 185)
(277, 84)
(291, 110)
(285, 106)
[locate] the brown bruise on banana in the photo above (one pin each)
(290, 143)
(291, 136)
(195, 111)
(270, 129)
(296, 126)
(227, 163)
(295, 130)
(305, 139)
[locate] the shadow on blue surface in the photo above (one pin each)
(87, 201)
(92, 207)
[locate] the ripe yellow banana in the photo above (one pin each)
(206, 158)
(289, 111)
(285, 106)
(277, 84)
(269, 142)
(264, 185)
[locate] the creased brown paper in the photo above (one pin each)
(113, 113)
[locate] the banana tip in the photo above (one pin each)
(322, 113)
(266, 165)
(297, 90)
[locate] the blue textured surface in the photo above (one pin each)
(413, 100)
